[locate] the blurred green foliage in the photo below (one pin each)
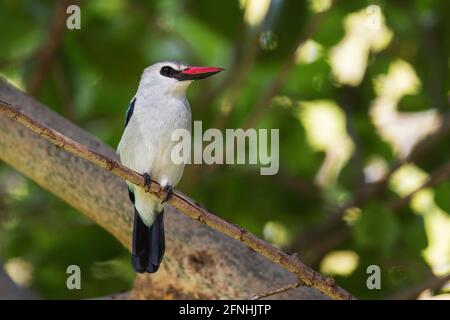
(95, 74)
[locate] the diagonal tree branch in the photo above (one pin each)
(432, 283)
(439, 175)
(192, 209)
(342, 232)
(263, 103)
(334, 227)
(50, 47)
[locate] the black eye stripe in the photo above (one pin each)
(168, 71)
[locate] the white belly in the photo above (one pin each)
(146, 147)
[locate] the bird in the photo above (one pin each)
(159, 107)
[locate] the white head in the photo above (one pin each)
(173, 77)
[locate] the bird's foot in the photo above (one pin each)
(147, 182)
(167, 190)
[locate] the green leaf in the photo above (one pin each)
(377, 229)
(442, 196)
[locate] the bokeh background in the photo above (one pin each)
(354, 90)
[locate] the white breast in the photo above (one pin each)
(146, 143)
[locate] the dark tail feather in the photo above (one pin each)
(140, 245)
(157, 243)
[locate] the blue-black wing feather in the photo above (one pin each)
(131, 194)
(130, 111)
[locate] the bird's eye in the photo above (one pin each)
(166, 71)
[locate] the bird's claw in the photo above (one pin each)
(167, 189)
(147, 182)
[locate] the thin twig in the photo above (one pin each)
(50, 47)
(270, 293)
(240, 71)
(186, 206)
(232, 84)
(259, 108)
(299, 185)
(8, 62)
(436, 177)
(371, 191)
(339, 232)
(281, 77)
(433, 283)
